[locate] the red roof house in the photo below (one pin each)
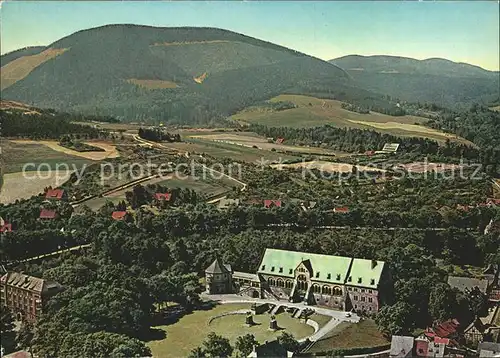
(445, 329)
(6, 227)
(48, 214)
(492, 201)
(341, 210)
(270, 203)
(280, 140)
(163, 196)
(118, 215)
(54, 194)
(369, 152)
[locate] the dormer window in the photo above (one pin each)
(317, 274)
(290, 272)
(263, 267)
(349, 279)
(272, 269)
(281, 269)
(329, 276)
(359, 279)
(372, 281)
(338, 277)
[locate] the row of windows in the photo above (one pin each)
(359, 290)
(362, 307)
(362, 299)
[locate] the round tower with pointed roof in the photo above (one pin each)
(219, 278)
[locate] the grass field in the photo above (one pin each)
(16, 155)
(190, 331)
(21, 67)
(109, 149)
(312, 112)
(25, 185)
(350, 335)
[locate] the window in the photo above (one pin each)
(370, 291)
(355, 290)
(356, 306)
(349, 279)
(355, 298)
(359, 280)
(349, 288)
(363, 299)
(338, 277)
(263, 267)
(329, 276)
(370, 299)
(369, 308)
(272, 269)
(290, 271)
(362, 290)
(372, 281)
(281, 269)
(317, 274)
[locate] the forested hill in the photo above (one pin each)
(183, 75)
(433, 80)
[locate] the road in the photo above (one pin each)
(54, 253)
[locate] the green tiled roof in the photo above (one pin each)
(365, 273)
(326, 268)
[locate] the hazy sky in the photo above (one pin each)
(466, 31)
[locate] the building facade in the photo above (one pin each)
(335, 281)
(25, 295)
(218, 278)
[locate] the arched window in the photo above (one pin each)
(272, 282)
(337, 291)
(289, 284)
(327, 290)
(280, 282)
(316, 288)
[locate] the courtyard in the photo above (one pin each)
(191, 329)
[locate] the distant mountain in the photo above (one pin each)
(182, 75)
(433, 80)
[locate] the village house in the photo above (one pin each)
(159, 197)
(5, 226)
(401, 347)
(335, 281)
(26, 295)
(54, 194)
(47, 214)
(270, 203)
(118, 215)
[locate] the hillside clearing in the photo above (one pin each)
(21, 67)
(24, 185)
(109, 149)
(314, 112)
(153, 84)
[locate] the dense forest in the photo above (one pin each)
(45, 125)
(158, 135)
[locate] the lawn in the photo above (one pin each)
(350, 335)
(190, 331)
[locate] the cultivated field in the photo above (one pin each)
(25, 185)
(190, 331)
(326, 166)
(21, 67)
(251, 140)
(313, 112)
(109, 149)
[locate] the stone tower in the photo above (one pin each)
(219, 278)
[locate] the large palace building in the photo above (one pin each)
(335, 281)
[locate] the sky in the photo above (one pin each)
(465, 31)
